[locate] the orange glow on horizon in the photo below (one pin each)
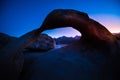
(111, 22)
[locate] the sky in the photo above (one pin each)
(17, 17)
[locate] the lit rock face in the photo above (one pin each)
(43, 43)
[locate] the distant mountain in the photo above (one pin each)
(66, 40)
(69, 40)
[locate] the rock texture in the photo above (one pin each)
(43, 43)
(92, 32)
(94, 57)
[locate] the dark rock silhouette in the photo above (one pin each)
(5, 39)
(43, 43)
(117, 35)
(12, 58)
(94, 57)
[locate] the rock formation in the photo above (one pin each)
(5, 39)
(92, 32)
(117, 35)
(12, 58)
(94, 57)
(43, 43)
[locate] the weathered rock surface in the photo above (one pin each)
(94, 57)
(43, 43)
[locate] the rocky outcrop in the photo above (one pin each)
(12, 58)
(93, 33)
(43, 43)
(117, 35)
(5, 39)
(94, 57)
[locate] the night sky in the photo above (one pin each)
(20, 16)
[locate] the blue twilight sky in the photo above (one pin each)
(20, 16)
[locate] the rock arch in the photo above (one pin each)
(92, 31)
(93, 34)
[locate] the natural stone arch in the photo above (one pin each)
(92, 32)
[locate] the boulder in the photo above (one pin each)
(43, 43)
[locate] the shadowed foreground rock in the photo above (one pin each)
(5, 39)
(12, 58)
(117, 35)
(94, 57)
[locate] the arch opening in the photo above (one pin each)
(63, 36)
(60, 32)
